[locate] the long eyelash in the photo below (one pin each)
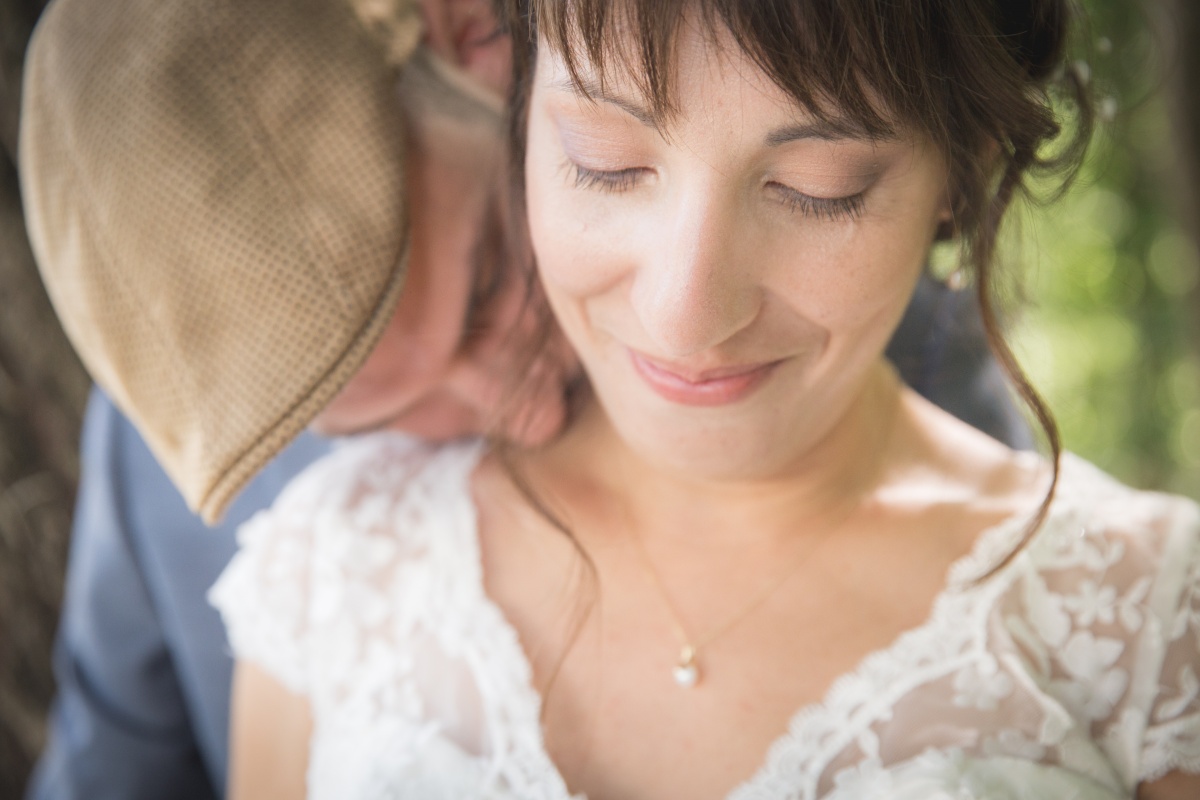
(604, 180)
(831, 209)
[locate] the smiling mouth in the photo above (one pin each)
(711, 387)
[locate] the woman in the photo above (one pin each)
(755, 565)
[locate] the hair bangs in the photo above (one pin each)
(865, 66)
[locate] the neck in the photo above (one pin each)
(597, 475)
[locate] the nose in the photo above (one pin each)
(694, 289)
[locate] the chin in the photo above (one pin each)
(343, 418)
(326, 424)
(749, 444)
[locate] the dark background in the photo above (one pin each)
(42, 392)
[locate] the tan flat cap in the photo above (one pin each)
(215, 194)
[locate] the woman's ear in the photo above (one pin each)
(946, 228)
(947, 222)
(467, 34)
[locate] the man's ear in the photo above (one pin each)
(466, 33)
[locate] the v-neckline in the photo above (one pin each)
(874, 675)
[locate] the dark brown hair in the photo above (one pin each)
(982, 79)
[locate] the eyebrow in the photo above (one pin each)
(591, 88)
(833, 129)
(830, 129)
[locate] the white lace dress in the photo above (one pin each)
(1071, 673)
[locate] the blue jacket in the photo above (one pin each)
(142, 663)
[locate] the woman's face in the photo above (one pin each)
(730, 280)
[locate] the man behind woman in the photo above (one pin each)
(143, 670)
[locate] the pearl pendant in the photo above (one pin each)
(686, 673)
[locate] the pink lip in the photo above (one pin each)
(713, 387)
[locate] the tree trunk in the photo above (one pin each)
(43, 389)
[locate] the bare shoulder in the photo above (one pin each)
(939, 461)
(270, 730)
(1173, 786)
(942, 462)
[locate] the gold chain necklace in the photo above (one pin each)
(687, 670)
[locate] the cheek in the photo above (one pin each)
(852, 284)
(571, 266)
(576, 235)
(859, 274)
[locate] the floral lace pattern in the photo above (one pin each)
(1071, 672)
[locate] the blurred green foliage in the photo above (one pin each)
(1110, 327)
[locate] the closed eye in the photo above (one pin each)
(618, 180)
(832, 209)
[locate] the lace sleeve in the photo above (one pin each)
(299, 560)
(263, 593)
(1172, 737)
